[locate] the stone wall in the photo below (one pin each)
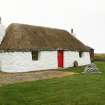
(22, 61)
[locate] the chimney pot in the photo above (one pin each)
(0, 20)
(72, 31)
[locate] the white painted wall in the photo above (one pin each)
(22, 61)
(71, 56)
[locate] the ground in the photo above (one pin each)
(81, 89)
(10, 78)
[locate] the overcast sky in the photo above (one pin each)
(86, 17)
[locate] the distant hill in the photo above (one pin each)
(99, 57)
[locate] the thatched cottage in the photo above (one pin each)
(30, 48)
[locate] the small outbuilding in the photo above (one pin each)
(26, 48)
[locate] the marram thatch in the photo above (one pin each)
(21, 37)
(90, 48)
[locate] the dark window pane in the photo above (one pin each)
(80, 54)
(34, 55)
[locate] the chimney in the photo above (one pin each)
(72, 31)
(0, 20)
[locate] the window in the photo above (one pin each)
(34, 55)
(80, 54)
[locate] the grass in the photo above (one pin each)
(82, 89)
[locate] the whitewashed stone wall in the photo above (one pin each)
(22, 61)
(70, 57)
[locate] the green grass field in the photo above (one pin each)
(81, 89)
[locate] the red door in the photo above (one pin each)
(60, 58)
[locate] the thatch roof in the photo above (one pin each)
(90, 48)
(21, 37)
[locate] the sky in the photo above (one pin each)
(86, 17)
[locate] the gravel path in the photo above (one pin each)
(10, 78)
